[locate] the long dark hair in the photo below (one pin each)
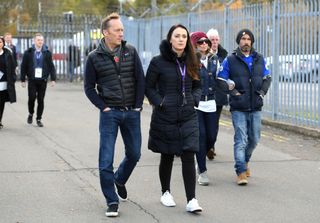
(191, 59)
(4, 43)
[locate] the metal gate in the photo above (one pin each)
(70, 38)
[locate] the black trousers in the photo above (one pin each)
(218, 114)
(36, 90)
(188, 173)
(3, 97)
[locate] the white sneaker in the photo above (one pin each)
(167, 200)
(203, 179)
(193, 206)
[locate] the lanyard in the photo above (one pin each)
(183, 75)
(38, 56)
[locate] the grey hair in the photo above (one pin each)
(212, 32)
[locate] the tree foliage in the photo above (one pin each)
(15, 12)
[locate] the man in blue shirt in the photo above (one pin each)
(246, 70)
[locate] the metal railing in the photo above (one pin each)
(287, 33)
(70, 38)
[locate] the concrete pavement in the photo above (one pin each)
(50, 174)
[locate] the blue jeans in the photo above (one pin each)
(207, 136)
(129, 124)
(71, 70)
(247, 126)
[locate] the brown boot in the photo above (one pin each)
(242, 179)
(211, 153)
(248, 173)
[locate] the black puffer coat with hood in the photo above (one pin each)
(174, 124)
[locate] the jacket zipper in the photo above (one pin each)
(250, 83)
(118, 69)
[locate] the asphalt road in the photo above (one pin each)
(50, 175)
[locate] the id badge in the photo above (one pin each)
(38, 73)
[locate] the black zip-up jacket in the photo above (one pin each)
(28, 66)
(109, 85)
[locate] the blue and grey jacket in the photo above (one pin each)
(251, 77)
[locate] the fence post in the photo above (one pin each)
(275, 58)
(189, 21)
(226, 27)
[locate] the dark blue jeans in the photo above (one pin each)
(207, 136)
(129, 124)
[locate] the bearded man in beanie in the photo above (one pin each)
(247, 69)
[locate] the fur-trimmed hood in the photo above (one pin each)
(167, 52)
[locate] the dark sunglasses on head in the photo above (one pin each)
(200, 42)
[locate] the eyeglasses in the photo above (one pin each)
(200, 42)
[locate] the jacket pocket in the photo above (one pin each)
(161, 106)
(241, 102)
(258, 101)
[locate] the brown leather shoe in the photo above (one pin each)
(211, 154)
(242, 179)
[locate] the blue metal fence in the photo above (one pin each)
(287, 33)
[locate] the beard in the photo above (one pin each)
(245, 48)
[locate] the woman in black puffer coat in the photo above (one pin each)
(7, 78)
(173, 88)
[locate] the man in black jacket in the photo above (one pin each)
(37, 65)
(74, 60)
(9, 44)
(221, 97)
(247, 69)
(114, 83)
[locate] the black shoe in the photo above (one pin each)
(29, 120)
(39, 123)
(122, 192)
(1, 126)
(112, 210)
